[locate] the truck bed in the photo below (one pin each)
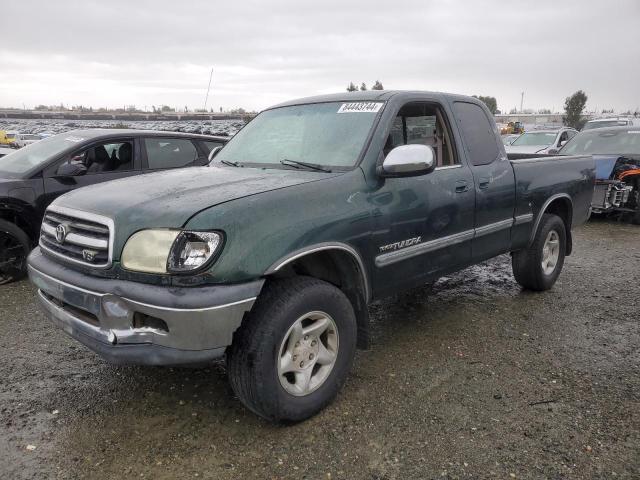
(540, 179)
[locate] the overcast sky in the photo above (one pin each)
(114, 53)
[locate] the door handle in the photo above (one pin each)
(483, 183)
(461, 186)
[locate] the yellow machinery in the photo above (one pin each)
(512, 127)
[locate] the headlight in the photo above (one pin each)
(192, 250)
(174, 251)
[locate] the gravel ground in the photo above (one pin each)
(473, 378)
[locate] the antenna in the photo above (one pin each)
(206, 99)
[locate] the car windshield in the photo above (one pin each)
(535, 138)
(604, 123)
(330, 135)
(619, 142)
(21, 161)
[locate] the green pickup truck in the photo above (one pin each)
(269, 256)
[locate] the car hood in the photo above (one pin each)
(168, 199)
(525, 148)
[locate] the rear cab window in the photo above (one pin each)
(477, 132)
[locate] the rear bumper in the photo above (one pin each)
(133, 323)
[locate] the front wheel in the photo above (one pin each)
(538, 267)
(14, 248)
(293, 352)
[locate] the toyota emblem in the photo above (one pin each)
(61, 233)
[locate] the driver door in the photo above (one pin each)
(424, 224)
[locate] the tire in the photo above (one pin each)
(255, 357)
(14, 248)
(528, 264)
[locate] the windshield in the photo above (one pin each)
(619, 142)
(535, 138)
(604, 123)
(327, 134)
(27, 158)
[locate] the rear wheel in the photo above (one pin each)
(538, 267)
(292, 354)
(14, 248)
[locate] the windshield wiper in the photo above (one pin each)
(308, 166)
(230, 163)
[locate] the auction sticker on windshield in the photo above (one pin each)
(360, 107)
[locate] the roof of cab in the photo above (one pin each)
(370, 96)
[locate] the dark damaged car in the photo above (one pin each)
(32, 177)
(315, 209)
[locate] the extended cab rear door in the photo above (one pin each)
(493, 177)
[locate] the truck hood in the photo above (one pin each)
(168, 199)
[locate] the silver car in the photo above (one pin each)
(541, 141)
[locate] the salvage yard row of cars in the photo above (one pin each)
(267, 251)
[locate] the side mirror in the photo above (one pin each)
(213, 153)
(408, 161)
(562, 143)
(71, 170)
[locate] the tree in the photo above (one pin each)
(544, 111)
(363, 86)
(377, 86)
(490, 102)
(573, 107)
(351, 87)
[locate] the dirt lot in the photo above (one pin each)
(476, 380)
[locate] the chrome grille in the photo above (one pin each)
(78, 237)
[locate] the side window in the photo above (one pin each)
(477, 131)
(101, 158)
(169, 152)
(423, 124)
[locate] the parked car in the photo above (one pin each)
(616, 152)
(608, 122)
(540, 141)
(32, 177)
(24, 139)
(314, 209)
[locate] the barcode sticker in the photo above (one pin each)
(360, 107)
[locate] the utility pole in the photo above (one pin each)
(208, 88)
(521, 101)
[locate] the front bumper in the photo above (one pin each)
(132, 323)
